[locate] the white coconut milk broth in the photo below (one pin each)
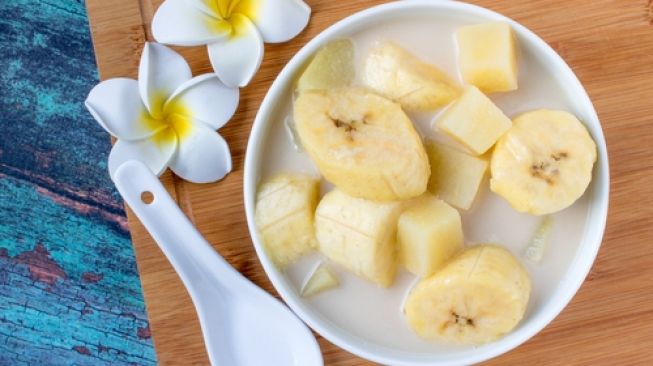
(375, 314)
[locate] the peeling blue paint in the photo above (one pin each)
(69, 287)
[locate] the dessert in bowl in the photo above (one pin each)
(426, 183)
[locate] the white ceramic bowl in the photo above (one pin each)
(579, 255)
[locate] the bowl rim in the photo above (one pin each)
(579, 266)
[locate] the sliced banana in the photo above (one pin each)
(476, 298)
(362, 143)
(398, 75)
(359, 234)
(284, 216)
(543, 164)
(331, 67)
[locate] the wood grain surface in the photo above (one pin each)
(608, 43)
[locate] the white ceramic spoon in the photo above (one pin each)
(242, 324)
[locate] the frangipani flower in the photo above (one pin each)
(167, 118)
(234, 30)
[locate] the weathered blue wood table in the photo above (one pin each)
(69, 288)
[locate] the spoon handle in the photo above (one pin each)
(188, 252)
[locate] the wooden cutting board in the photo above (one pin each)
(608, 43)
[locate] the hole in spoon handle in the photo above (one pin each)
(147, 197)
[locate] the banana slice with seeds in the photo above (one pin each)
(543, 164)
(476, 298)
(362, 143)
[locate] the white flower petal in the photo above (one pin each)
(180, 23)
(155, 152)
(277, 20)
(205, 98)
(237, 58)
(116, 105)
(202, 157)
(208, 7)
(160, 72)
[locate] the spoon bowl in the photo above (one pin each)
(242, 324)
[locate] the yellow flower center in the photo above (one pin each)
(225, 22)
(171, 120)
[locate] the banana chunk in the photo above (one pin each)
(331, 67)
(398, 75)
(362, 143)
(284, 216)
(543, 164)
(476, 298)
(359, 234)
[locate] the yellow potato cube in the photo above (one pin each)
(475, 121)
(428, 233)
(455, 176)
(487, 56)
